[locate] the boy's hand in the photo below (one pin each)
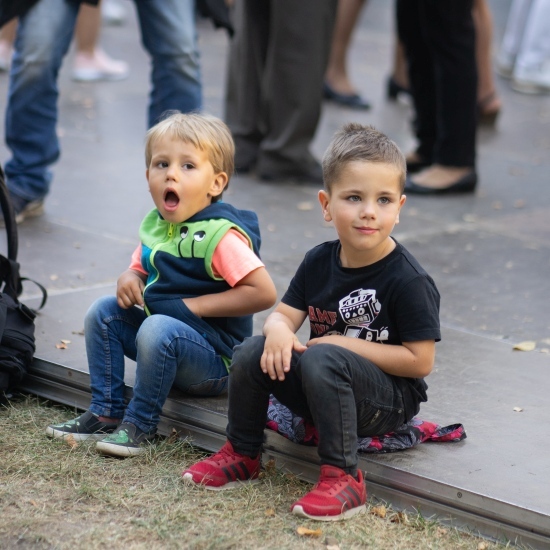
(129, 289)
(278, 349)
(280, 340)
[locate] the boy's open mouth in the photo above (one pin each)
(171, 200)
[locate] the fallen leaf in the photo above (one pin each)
(270, 466)
(527, 345)
(306, 205)
(269, 513)
(34, 503)
(65, 341)
(379, 511)
(71, 441)
(305, 532)
(400, 517)
(517, 409)
(79, 332)
(61, 346)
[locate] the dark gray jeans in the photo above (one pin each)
(344, 394)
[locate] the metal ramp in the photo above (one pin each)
(203, 420)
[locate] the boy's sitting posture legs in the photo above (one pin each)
(343, 393)
(167, 352)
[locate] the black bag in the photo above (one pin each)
(16, 319)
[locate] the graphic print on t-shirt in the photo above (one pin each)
(357, 310)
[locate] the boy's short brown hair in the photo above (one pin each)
(205, 132)
(355, 142)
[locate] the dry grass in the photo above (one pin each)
(55, 496)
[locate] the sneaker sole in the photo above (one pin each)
(299, 511)
(188, 480)
(32, 210)
(113, 449)
(529, 88)
(58, 434)
(98, 77)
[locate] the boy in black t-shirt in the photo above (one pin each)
(374, 321)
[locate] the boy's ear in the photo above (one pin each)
(219, 183)
(402, 201)
(324, 200)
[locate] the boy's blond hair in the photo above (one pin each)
(205, 132)
(355, 142)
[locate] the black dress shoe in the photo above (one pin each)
(354, 101)
(466, 184)
(309, 173)
(394, 89)
(414, 166)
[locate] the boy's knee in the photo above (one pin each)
(318, 360)
(250, 351)
(248, 354)
(101, 308)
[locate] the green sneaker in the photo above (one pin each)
(126, 440)
(84, 427)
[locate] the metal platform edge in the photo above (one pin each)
(479, 514)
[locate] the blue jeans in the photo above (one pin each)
(43, 39)
(342, 393)
(167, 353)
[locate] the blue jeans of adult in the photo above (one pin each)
(167, 353)
(43, 39)
(342, 393)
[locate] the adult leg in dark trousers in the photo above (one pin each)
(277, 60)
(439, 41)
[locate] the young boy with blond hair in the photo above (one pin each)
(374, 320)
(188, 296)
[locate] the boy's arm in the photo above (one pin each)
(280, 340)
(251, 294)
(410, 359)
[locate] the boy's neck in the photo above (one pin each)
(355, 259)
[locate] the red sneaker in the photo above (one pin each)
(336, 496)
(224, 470)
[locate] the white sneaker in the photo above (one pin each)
(112, 12)
(532, 80)
(99, 66)
(504, 64)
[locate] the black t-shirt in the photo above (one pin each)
(391, 301)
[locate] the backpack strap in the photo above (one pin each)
(9, 268)
(42, 289)
(9, 218)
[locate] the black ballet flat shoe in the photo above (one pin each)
(466, 184)
(394, 89)
(414, 166)
(354, 101)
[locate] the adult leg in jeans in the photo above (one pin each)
(169, 352)
(344, 394)
(169, 35)
(43, 38)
